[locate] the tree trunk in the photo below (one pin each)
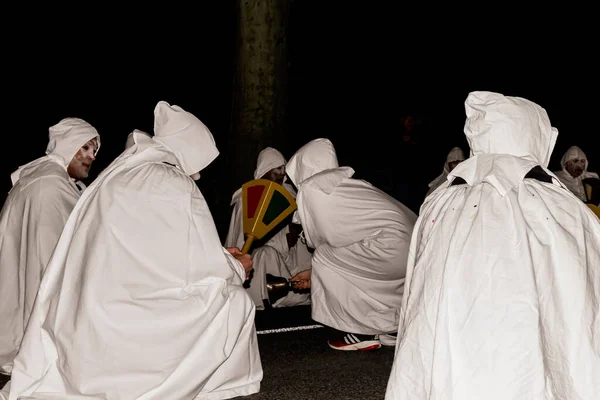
(259, 109)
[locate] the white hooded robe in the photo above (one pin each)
(32, 219)
(360, 236)
(503, 284)
(140, 300)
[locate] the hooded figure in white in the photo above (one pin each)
(503, 286)
(360, 236)
(455, 157)
(140, 300)
(574, 170)
(33, 216)
(276, 256)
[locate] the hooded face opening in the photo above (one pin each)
(276, 175)
(574, 162)
(79, 167)
(575, 167)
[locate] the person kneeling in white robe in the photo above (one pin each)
(503, 286)
(282, 255)
(361, 236)
(34, 214)
(140, 300)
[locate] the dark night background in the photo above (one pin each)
(355, 72)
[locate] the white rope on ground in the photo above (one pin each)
(293, 328)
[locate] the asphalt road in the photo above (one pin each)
(300, 365)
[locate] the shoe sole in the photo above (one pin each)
(358, 346)
(388, 342)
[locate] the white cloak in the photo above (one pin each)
(32, 220)
(503, 286)
(126, 313)
(502, 297)
(360, 235)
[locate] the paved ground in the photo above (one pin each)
(299, 365)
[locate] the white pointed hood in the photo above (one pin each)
(508, 136)
(186, 136)
(65, 140)
(312, 158)
(498, 124)
(268, 159)
(68, 136)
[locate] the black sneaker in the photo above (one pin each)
(354, 341)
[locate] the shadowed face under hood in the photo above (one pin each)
(268, 159)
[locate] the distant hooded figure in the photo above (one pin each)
(574, 165)
(360, 235)
(140, 300)
(283, 255)
(455, 157)
(33, 216)
(503, 286)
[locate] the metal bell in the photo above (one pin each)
(277, 287)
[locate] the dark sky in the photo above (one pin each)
(354, 72)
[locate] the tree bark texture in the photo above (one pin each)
(259, 109)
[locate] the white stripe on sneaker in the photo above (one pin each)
(351, 339)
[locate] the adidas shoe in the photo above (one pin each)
(354, 341)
